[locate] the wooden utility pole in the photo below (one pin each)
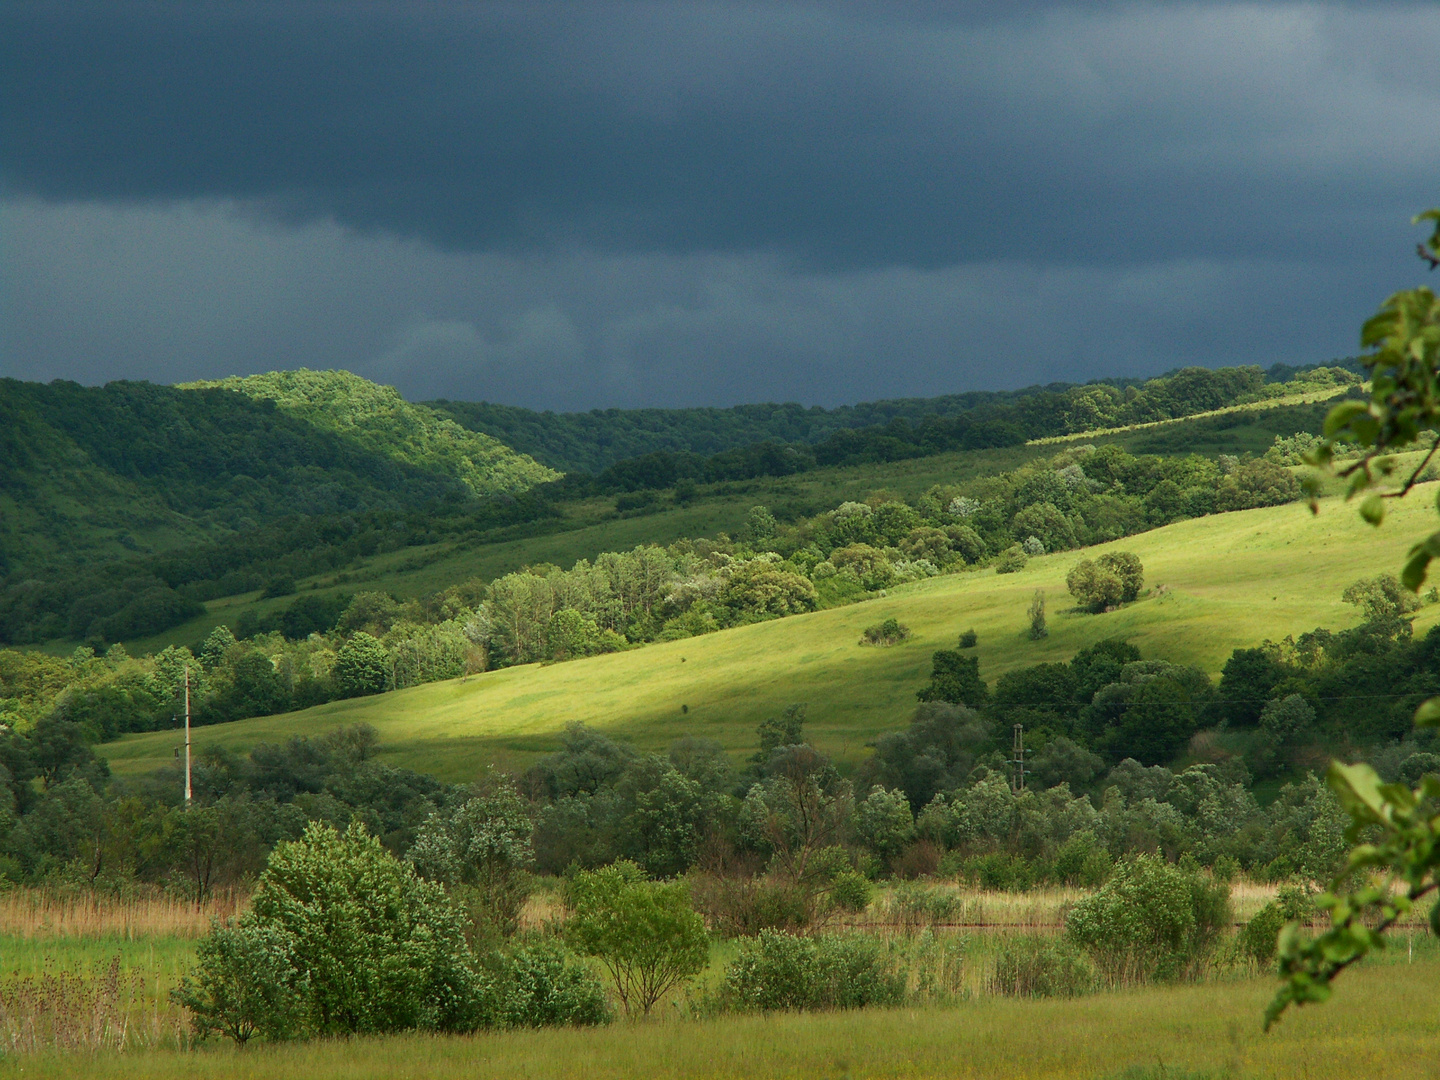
(1017, 759)
(187, 736)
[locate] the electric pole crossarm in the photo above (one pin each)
(1017, 760)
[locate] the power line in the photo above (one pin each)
(1052, 703)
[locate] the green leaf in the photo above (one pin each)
(1428, 714)
(1341, 415)
(1358, 787)
(1417, 565)
(1373, 509)
(1398, 795)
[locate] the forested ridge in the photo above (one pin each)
(592, 442)
(129, 506)
(378, 419)
(89, 472)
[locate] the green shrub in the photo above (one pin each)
(779, 971)
(742, 907)
(920, 859)
(280, 586)
(481, 851)
(969, 639)
(536, 984)
(1082, 862)
(850, 892)
(383, 949)
(1151, 920)
(645, 933)
(1011, 560)
(997, 870)
(1259, 937)
(884, 823)
(362, 666)
(341, 938)
(883, 634)
(246, 983)
(1039, 967)
(1226, 869)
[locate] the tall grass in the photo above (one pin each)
(45, 913)
(106, 1008)
(1208, 1030)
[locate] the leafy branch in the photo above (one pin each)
(1405, 859)
(1394, 861)
(1404, 406)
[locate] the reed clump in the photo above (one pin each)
(107, 1008)
(54, 913)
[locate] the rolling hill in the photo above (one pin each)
(1229, 580)
(89, 474)
(378, 419)
(581, 528)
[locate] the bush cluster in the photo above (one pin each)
(1028, 966)
(342, 938)
(886, 633)
(776, 971)
(1152, 920)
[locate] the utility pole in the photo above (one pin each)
(1017, 759)
(187, 736)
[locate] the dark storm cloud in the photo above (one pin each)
(591, 204)
(852, 135)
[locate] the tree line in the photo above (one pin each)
(594, 442)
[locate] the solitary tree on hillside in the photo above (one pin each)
(1038, 629)
(1113, 579)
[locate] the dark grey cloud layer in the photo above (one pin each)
(593, 204)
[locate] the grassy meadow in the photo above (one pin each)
(1179, 1033)
(1215, 583)
(1209, 1029)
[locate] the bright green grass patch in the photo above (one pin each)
(1230, 580)
(1211, 1030)
(32, 955)
(28, 954)
(588, 527)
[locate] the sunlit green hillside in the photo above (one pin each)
(584, 528)
(379, 419)
(1229, 580)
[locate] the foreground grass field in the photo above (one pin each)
(1178, 1033)
(1228, 580)
(1210, 1029)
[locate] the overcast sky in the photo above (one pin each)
(588, 204)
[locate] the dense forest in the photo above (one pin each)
(90, 473)
(595, 441)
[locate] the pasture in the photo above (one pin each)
(1214, 584)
